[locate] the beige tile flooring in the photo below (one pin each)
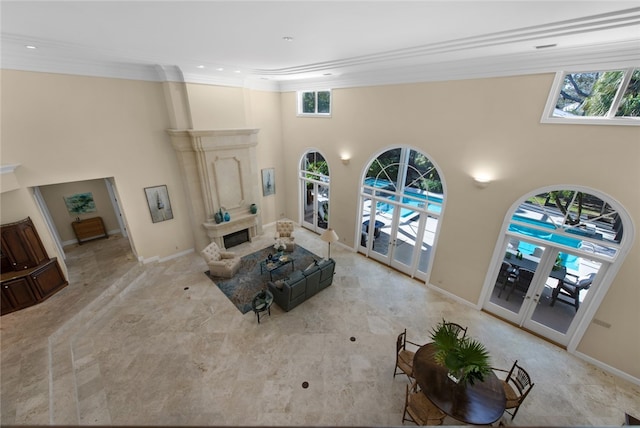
(159, 344)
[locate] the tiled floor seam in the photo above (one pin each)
(64, 335)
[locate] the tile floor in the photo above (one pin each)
(159, 344)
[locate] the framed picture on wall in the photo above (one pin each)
(80, 203)
(159, 204)
(268, 181)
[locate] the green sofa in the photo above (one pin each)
(302, 284)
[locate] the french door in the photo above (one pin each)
(526, 288)
(315, 197)
(397, 235)
(554, 264)
(314, 186)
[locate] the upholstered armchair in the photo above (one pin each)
(221, 263)
(284, 234)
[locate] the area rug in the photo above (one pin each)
(248, 280)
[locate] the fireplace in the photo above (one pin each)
(221, 172)
(236, 238)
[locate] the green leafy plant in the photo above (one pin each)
(467, 359)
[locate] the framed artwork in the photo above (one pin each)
(159, 204)
(268, 181)
(80, 203)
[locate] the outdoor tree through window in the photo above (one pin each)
(605, 95)
(314, 103)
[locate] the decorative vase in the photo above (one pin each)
(269, 256)
(217, 217)
(253, 208)
(227, 217)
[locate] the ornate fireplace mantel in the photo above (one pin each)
(217, 231)
(221, 171)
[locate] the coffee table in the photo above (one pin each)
(275, 264)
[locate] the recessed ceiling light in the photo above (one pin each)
(200, 66)
(220, 69)
(287, 39)
(237, 71)
(552, 45)
(30, 47)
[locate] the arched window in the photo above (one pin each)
(400, 206)
(556, 249)
(314, 179)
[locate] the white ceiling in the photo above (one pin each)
(335, 43)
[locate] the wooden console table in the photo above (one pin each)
(88, 229)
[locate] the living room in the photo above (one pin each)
(62, 128)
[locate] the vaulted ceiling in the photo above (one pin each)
(304, 44)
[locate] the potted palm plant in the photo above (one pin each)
(466, 359)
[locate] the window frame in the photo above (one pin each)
(611, 119)
(300, 96)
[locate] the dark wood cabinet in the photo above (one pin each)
(28, 274)
(21, 289)
(48, 278)
(19, 293)
(5, 304)
(21, 245)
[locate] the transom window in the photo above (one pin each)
(314, 103)
(605, 97)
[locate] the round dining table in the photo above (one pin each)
(480, 403)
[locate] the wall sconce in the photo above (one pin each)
(345, 159)
(481, 181)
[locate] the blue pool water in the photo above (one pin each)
(418, 202)
(568, 260)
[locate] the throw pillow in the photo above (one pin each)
(315, 263)
(279, 284)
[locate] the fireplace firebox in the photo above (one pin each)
(236, 238)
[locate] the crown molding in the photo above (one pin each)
(599, 56)
(596, 57)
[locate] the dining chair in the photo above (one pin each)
(517, 386)
(419, 409)
(458, 329)
(404, 356)
(522, 282)
(508, 275)
(571, 288)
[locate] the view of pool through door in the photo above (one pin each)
(398, 214)
(551, 262)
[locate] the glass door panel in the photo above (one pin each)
(515, 277)
(322, 196)
(308, 217)
(406, 239)
(364, 221)
(316, 206)
(381, 230)
(565, 288)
